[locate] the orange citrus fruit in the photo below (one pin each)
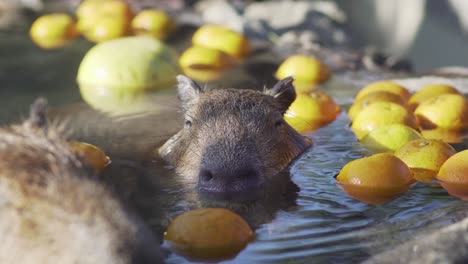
(453, 175)
(208, 233)
(222, 38)
(429, 91)
(388, 138)
(311, 110)
(371, 98)
(385, 86)
(92, 154)
(53, 31)
(448, 111)
(375, 179)
(379, 114)
(425, 157)
(304, 69)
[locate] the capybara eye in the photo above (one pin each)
(279, 124)
(188, 123)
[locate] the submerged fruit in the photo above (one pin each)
(222, 38)
(385, 86)
(209, 233)
(379, 114)
(448, 111)
(311, 110)
(153, 22)
(425, 157)
(53, 31)
(92, 154)
(453, 175)
(375, 179)
(304, 69)
(390, 137)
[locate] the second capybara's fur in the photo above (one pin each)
(233, 140)
(53, 209)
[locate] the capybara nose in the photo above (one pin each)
(228, 184)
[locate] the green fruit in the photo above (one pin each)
(118, 71)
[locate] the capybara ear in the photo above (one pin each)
(284, 93)
(37, 113)
(187, 89)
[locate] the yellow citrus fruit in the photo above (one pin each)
(453, 175)
(92, 154)
(390, 137)
(107, 28)
(304, 69)
(208, 233)
(446, 135)
(429, 91)
(375, 179)
(153, 22)
(204, 58)
(379, 114)
(92, 8)
(371, 98)
(222, 38)
(425, 157)
(311, 110)
(53, 31)
(100, 20)
(449, 111)
(385, 86)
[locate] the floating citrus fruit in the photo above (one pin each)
(446, 135)
(429, 91)
(53, 31)
(116, 73)
(385, 86)
(379, 114)
(453, 175)
(106, 28)
(203, 58)
(153, 22)
(425, 157)
(448, 111)
(375, 179)
(101, 20)
(371, 98)
(311, 110)
(304, 69)
(210, 233)
(92, 154)
(388, 138)
(222, 38)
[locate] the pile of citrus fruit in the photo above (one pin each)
(387, 118)
(97, 21)
(214, 49)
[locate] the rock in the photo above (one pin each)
(448, 245)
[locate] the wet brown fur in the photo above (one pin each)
(53, 210)
(234, 127)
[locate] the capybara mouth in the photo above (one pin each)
(246, 190)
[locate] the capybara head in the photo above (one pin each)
(54, 210)
(233, 140)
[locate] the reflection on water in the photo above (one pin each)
(318, 224)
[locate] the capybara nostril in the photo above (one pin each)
(205, 175)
